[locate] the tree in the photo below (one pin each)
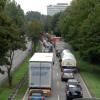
(4, 23)
(33, 16)
(36, 16)
(13, 34)
(34, 29)
(54, 24)
(81, 28)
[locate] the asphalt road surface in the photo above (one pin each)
(18, 58)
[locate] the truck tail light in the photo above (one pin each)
(28, 98)
(42, 98)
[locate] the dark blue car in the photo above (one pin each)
(36, 95)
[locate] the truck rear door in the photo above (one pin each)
(45, 74)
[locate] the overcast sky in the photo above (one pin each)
(38, 5)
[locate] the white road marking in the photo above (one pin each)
(57, 83)
(57, 74)
(58, 97)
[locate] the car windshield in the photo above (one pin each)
(67, 74)
(74, 88)
(72, 83)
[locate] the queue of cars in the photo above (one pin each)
(68, 67)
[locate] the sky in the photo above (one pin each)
(39, 5)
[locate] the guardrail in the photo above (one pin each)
(18, 86)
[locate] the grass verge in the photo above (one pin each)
(17, 75)
(91, 75)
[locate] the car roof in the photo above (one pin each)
(72, 80)
(67, 70)
(72, 86)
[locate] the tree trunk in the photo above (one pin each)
(10, 66)
(9, 78)
(32, 47)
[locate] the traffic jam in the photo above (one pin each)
(68, 68)
(41, 71)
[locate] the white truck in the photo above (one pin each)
(68, 60)
(40, 72)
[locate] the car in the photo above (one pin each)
(66, 74)
(73, 91)
(73, 69)
(36, 95)
(73, 82)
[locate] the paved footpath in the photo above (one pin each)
(18, 58)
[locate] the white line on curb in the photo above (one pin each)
(24, 97)
(85, 86)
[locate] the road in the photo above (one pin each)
(18, 58)
(58, 87)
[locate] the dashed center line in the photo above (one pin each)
(57, 83)
(57, 74)
(58, 97)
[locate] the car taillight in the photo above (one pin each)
(81, 93)
(28, 98)
(42, 98)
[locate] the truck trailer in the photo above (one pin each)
(40, 73)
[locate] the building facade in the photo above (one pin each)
(53, 9)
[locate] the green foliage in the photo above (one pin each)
(4, 25)
(2, 4)
(90, 74)
(47, 24)
(80, 25)
(54, 24)
(31, 16)
(36, 16)
(11, 34)
(14, 11)
(17, 75)
(34, 29)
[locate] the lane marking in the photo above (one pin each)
(57, 83)
(58, 97)
(57, 74)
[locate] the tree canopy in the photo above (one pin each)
(11, 34)
(79, 25)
